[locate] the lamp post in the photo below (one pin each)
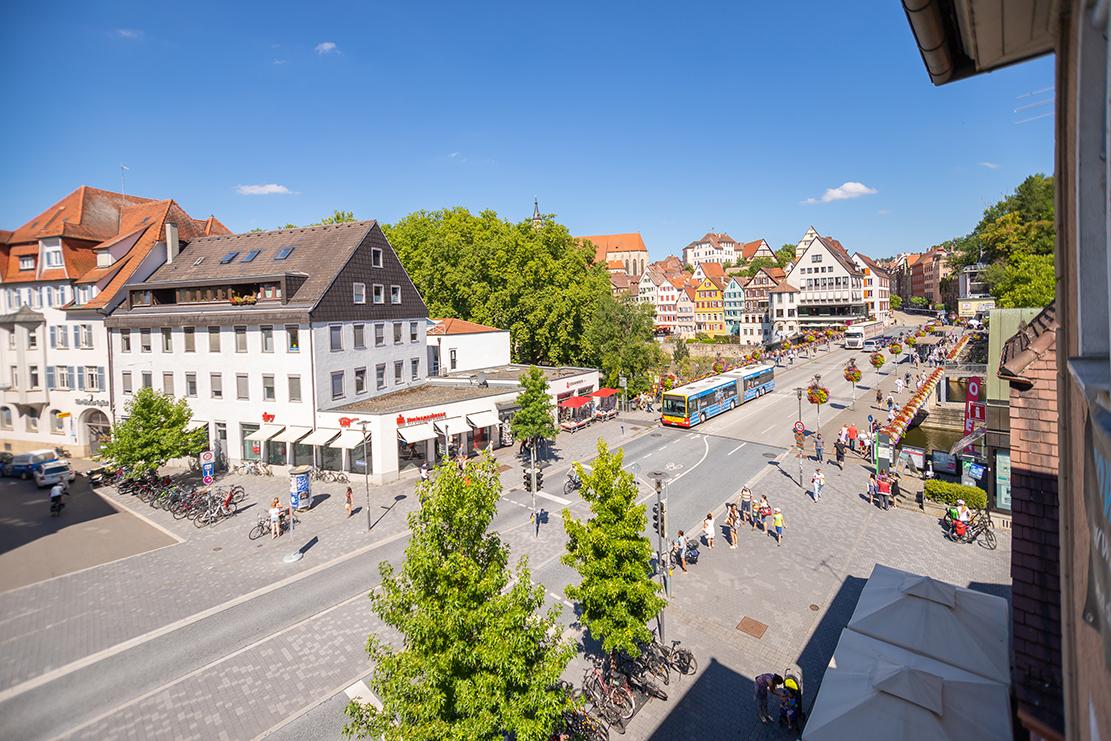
(366, 476)
(818, 407)
(798, 392)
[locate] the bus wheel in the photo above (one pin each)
(732, 404)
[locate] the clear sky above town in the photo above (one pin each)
(666, 118)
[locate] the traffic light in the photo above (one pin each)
(656, 518)
(539, 478)
(663, 518)
(528, 479)
(529, 473)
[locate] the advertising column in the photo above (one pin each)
(973, 408)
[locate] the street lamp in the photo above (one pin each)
(366, 476)
(818, 407)
(798, 393)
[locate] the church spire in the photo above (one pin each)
(537, 221)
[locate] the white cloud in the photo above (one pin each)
(845, 191)
(268, 189)
(279, 61)
(457, 157)
(884, 211)
(131, 34)
(989, 165)
(326, 47)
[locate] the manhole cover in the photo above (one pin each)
(769, 455)
(503, 469)
(813, 608)
(655, 434)
(751, 627)
(217, 548)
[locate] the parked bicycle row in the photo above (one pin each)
(184, 500)
(608, 698)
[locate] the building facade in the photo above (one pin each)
(685, 298)
(620, 251)
(783, 306)
(756, 322)
(734, 305)
(877, 288)
(711, 247)
(455, 346)
(831, 286)
(709, 307)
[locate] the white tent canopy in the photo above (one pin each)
(291, 434)
(873, 689)
(264, 433)
(453, 426)
(348, 439)
(319, 436)
(417, 433)
(488, 418)
(958, 626)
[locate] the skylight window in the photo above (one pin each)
(283, 253)
(251, 255)
(229, 257)
(198, 261)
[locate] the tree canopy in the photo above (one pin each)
(620, 341)
(612, 555)
(478, 658)
(534, 419)
(757, 264)
(155, 431)
(896, 301)
(338, 217)
(785, 254)
(539, 283)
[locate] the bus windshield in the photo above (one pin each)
(675, 406)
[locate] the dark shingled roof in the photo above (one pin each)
(1030, 343)
(319, 253)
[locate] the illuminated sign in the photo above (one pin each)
(402, 420)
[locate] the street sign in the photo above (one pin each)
(63, 415)
(623, 382)
(208, 480)
(800, 427)
(208, 456)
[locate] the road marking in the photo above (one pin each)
(50, 676)
(769, 429)
(359, 691)
(555, 596)
(200, 670)
(660, 449)
(554, 498)
(734, 450)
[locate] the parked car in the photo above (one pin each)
(870, 346)
(53, 472)
(24, 465)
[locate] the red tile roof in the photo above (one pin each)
(713, 269)
(87, 213)
(717, 239)
(604, 244)
(748, 249)
(459, 326)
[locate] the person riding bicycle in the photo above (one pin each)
(56, 503)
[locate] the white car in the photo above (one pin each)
(870, 346)
(52, 473)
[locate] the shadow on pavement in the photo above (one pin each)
(701, 712)
(819, 648)
(27, 517)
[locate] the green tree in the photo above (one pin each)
(757, 264)
(533, 421)
(919, 302)
(478, 658)
(785, 254)
(337, 217)
(616, 591)
(155, 431)
(621, 342)
(1023, 281)
(539, 283)
(896, 301)
(1020, 223)
(680, 352)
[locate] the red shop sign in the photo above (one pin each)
(347, 421)
(403, 420)
(267, 417)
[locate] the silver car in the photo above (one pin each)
(52, 473)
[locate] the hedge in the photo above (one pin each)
(948, 493)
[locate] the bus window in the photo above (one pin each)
(675, 406)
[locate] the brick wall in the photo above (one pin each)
(1036, 598)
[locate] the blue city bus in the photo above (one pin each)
(698, 401)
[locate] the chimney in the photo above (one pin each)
(172, 245)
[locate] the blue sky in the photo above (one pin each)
(669, 119)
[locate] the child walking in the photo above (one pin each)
(778, 523)
(708, 530)
(348, 501)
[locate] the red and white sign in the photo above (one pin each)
(403, 420)
(346, 422)
(208, 480)
(208, 456)
(267, 417)
(800, 427)
(973, 407)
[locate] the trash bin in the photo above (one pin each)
(300, 487)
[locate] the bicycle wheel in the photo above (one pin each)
(622, 700)
(258, 530)
(987, 539)
(683, 661)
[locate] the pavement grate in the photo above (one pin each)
(813, 608)
(751, 627)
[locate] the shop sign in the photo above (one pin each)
(1097, 509)
(267, 417)
(403, 421)
(91, 402)
(973, 407)
(346, 422)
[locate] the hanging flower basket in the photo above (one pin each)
(809, 337)
(877, 360)
(852, 374)
(894, 348)
(757, 355)
(718, 367)
(817, 394)
(912, 341)
(786, 344)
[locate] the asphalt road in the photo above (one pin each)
(703, 467)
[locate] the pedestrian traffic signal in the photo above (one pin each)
(528, 479)
(663, 518)
(539, 478)
(656, 518)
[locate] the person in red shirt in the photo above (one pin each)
(853, 433)
(884, 486)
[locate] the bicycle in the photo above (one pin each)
(604, 694)
(262, 527)
(979, 529)
(679, 659)
(636, 673)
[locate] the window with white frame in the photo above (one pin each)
(148, 380)
(167, 339)
(379, 335)
(395, 294)
(52, 256)
(125, 340)
(360, 380)
(5, 418)
(268, 388)
(26, 262)
(335, 337)
(376, 257)
(398, 371)
(379, 293)
(380, 375)
(125, 381)
(93, 378)
(216, 385)
(295, 388)
(267, 336)
(360, 336)
(242, 387)
(144, 340)
(337, 384)
(191, 384)
(413, 335)
(32, 338)
(358, 291)
(414, 367)
(397, 333)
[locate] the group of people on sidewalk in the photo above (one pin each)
(745, 510)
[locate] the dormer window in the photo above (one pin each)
(26, 262)
(104, 259)
(53, 257)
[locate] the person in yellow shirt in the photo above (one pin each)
(778, 523)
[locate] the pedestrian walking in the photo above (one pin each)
(424, 471)
(895, 491)
(764, 510)
(839, 453)
(879, 397)
(898, 386)
(817, 481)
(348, 501)
(681, 546)
(819, 448)
(843, 435)
(708, 530)
(732, 518)
(746, 506)
(778, 523)
(883, 486)
(765, 684)
(854, 433)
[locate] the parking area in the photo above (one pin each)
(90, 531)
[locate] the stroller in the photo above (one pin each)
(790, 701)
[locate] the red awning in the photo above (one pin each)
(575, 402)
(602, 393)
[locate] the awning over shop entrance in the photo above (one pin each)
(453, 426)
(602, 393)
(483, 419)
(291, 434)
(575, 402)
(417, 433)
(319, 437)
(347, 439)
(264, 433)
